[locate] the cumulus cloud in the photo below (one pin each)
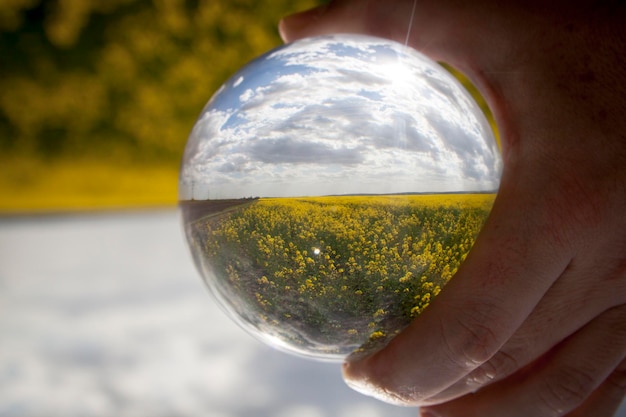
(365, 117)
(286, 150)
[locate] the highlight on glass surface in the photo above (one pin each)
(331, 188)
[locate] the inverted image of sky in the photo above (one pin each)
(339, 115)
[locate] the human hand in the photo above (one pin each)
(534, 322)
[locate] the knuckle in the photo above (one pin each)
(564, 390)
(474, 334)
(618, 380)
(501, 365)
(506, 362)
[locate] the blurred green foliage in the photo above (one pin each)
(97, 97)
(95, 86)
(121, 78)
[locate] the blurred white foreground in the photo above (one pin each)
(105, 315)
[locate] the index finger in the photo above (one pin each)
(511, 266)
(347, 17)
(391, 20)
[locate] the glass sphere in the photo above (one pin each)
(331, 188)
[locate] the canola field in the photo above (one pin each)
(327, 276)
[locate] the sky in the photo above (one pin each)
(105, 315)
(339, 115)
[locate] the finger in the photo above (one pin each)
(511, 267)
(607, 398)
(431, 27)
(486, 33)
(384, 19)
(560, 382)
(580, 294)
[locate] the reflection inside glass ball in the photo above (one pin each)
(331, 188)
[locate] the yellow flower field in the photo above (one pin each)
(325, 276)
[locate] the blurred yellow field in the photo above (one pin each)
(31, 186)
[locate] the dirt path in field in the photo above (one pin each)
(196, 209)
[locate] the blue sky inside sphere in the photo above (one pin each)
(341, 114)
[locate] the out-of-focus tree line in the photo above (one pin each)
(97, 97)
(121, 79)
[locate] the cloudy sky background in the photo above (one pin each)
(336, 116)
(105, 315)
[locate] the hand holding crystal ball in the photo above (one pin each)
(331, 188)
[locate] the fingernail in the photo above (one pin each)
(289, 27)
(357, 377)
(353, 378)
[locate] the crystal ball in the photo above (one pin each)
(331, 188)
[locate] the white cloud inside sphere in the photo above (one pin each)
(339, 115)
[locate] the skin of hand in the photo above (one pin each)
(534, 322)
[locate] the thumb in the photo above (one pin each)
(369, 17)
